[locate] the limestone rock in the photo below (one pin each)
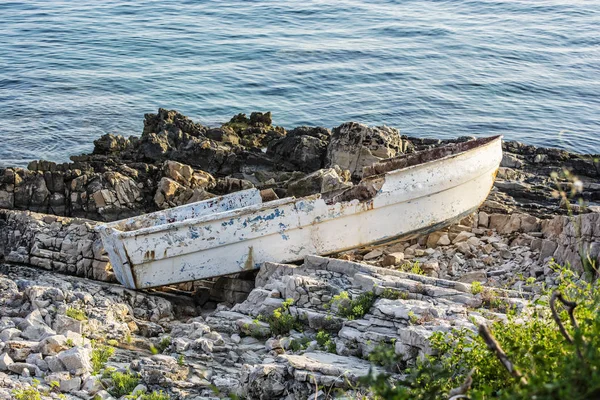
(5, 361)
(392, 259)
(474, 276)
(321, 181)
(76, 360)
(354, 146)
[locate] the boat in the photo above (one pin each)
(397, 199)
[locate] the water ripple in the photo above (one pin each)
(527, 69)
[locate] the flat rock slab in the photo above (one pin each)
(328, 364)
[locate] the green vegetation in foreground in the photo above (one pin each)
(281, 321)
(164, 343)
(412, 267)
(30, 393)
(123, 383)
(100, 355)
(553, 356)
(160, 395)
(476, 287)
(324, 340)
(33, 392)
(353, 308)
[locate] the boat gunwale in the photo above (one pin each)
(487, 141)
(110, 229)
(115, 224)
(375, 243)
(214, 217)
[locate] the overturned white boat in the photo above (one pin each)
(397, 198)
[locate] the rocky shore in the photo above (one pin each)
(240, 336)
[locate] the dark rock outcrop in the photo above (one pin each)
(354, 146)
(126, 176)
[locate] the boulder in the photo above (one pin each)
(34, 327)
(304, 148)
(321, 181)
(474, 276)
(392, 259)
(18, 350)
(110, 144)
(53, 345)
(76, 360)
(8, 334)
(354, 146)
(5, 361)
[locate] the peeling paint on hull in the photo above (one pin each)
(238, 232)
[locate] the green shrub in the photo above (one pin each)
(324, 340)
(412, 267)
(353, 308)
(123, 383)
(100, 355)
(30, 393)
(384, 354)
(413, 318)
(164, 343)
(299, 344)
(155, 396)
(476, 287)
(77, 314)
(393, 294)
(160, 395)
(281, 321)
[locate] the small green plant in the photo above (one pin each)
(530, 281)
(392, 294)
(412, 267)
(128, 338)
(100, 355)
(492, 300)
(77, 314)
(353, 308)
(30, 393)
(153, 349)
(70, 342)
(180, 360)
(413, 318)
(299, 344)
(54, 385)
(164, 343)
(476, 287)
(324, 340)
(281, 321)
(113, 343)
(160, 395)
(123, 383)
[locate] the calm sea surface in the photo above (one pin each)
(71, 71)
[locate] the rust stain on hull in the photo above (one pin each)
(249, 264)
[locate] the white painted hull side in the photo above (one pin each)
(229, 240)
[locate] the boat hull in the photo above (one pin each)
(408, 202)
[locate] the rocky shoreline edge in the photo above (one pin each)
(217, 338)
